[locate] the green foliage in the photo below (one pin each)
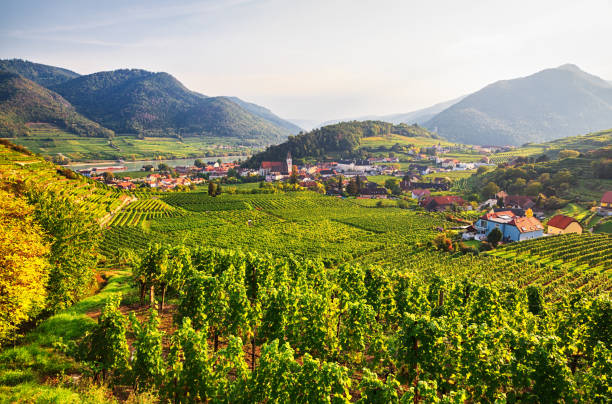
(128, 101)
(341, 139)
(494, 236)
(105, 348)
(24, 101)
(148, 364)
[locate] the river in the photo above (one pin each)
(137, 165)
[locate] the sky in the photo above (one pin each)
(316, 60)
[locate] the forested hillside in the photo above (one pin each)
(22, 101)
(548, 105)
(43, 75)
(138, 101)
(339, 140)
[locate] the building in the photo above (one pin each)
(518, 201)
(442, 203)
(373, 193)
(512, 227)
(605, 205)
(561, 224)
(276, 167)
(420, 193)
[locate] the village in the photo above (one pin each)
(512, 217)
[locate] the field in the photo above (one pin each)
(50, 141)
(337, 230)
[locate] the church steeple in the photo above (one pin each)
(289, 162)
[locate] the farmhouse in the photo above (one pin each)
(561, 224)
(420, 193)
(605, 205)
(518, 201)
(512, 227)
(442, 203)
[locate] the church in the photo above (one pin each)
(276, 167)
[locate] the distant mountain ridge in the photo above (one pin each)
(22, 101)
(44, 75)
(155, 104)
(419, 116)
(547, 105)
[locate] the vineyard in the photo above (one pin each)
(92, 197)
(335, 230)
(139, 211)
(579, 251)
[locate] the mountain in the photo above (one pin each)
(43, 75)
(139, 101)
(22, 101)
(548, 105)
(340, 140)
(419, 116)
(422, 115)
(266, 114)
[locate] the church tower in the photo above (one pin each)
(289, 162)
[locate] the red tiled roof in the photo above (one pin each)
(607, 197)
(527, 224)
(561, 221)
(421, 192)
(522, 201)
(271, 164)
(492, 215)
(444, 200)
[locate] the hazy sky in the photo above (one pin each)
(314, 59)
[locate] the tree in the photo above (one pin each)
(199, 163)
(108, 176)
(489, 190)
(533, 188)
(392, 184)
(212, 188)
(23, 265)
(293, 178)
(494, 236)
(352, 187)
(481, 170)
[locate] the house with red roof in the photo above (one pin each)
(561, 224)
(605, 205)
(518, 201)
(512, 227)
(442, 203)
(420, 193)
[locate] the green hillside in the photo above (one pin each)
(22, 101)
(44, 75)
(138, 101)
(581, 143)
(341, 140)
(547, 105)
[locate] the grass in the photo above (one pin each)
(50, 141)
(605, 227)
(34, 371)
(573, 210)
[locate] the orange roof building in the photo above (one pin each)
(561, 224)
